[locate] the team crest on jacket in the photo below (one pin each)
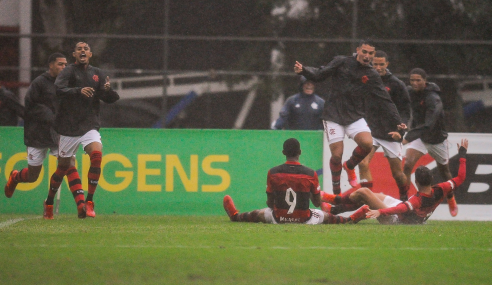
(96, 78)
(364, 79)
(388, 89)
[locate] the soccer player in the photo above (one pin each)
(290, 186)
(354, 82)
(427, 134)
(39, 135)
(414, 211)
(80, 88)
(421, 205)
(10, 108)
(382, 131)
(301, 111)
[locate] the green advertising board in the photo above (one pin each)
(164, 172)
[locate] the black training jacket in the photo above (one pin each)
(351, 86)
(40, 113)
(427, 115)
(379, 123)
(78, 114)
(10, 108)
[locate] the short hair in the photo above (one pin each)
(423, 176)
(380, 53)
(52, 58)
(419, 71)
(81, 42)
(292, 148)
(368, 42)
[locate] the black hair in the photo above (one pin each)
(419, 71)
(380, 53)
(81, 42)
(52, 58)
(292, 148)
(368, 42)
(423, 176)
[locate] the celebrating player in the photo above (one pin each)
(80, 88)
(290, 186)
(382, 129)
(39, 135)
(354, 81)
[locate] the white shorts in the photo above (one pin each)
(36, 156)
(317, 217)
(440, 151)
(391, 149)
(335, 132)
(392, 219)
(68, 145)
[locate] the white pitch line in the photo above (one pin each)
(269, 248)
(13, 221)
(10, 222)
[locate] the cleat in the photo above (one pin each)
(352, 177)
(326, 197)
(48, 211)
(453, 206)
(89, 209)
(229, 207)
(326, 207)
(11, 184)
(360, 214)
(81, 211)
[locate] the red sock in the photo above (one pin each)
(75, 185)
(94, 173)
(336, 170)
(345, 196)
(335, 219)
(367, 184)
(357, 156)
(22, 176)
(55, 182)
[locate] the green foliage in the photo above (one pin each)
(115, 249)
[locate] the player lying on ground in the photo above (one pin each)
(389, 210)
(290, 187)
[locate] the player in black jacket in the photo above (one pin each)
(427, 134)
(354, 82)
(80, 88)
(10, 108)
(39, 135)
(382, 130)
(301, 111)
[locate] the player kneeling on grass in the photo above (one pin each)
(290, 187)
(389, 210)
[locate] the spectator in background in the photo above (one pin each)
(354, 82)
(427, 133)
(39, 135)
(290, 187)
(80, 88)
(381, 129)
(10, 108)
(301, 111)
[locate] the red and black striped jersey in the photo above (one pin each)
(421, 206)
(292, 185)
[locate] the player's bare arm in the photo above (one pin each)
(298, 67)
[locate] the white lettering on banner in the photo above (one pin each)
(478, 187)
(483, 169)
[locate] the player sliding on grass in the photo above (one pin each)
(389, 210)
(290, 186)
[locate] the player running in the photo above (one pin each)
(354, 82)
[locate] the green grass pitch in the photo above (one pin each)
(116, 249)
